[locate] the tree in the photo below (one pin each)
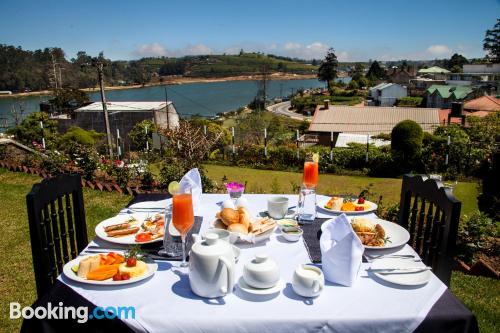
(358, 72)
(491, 42)
(68, 99)
(406, 144)
(376, 72)
(138, 134)
(328, 69)
(81, 136)
(29, 130)
(456, 63)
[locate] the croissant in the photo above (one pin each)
(229, 216)
(245, 217)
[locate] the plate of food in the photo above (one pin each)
(109, 269)
(378, 234)
(341, 205)
(242, 226)
(132, 229)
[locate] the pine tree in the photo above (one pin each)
(327, 71)
(491, 42)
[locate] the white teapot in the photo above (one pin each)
(211, 267)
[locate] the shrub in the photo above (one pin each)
(171, 172)
(406, 144)
(81, 136)
(409, 101)
(138, 134)
(29, 130)
(54, 163)
(474, 235)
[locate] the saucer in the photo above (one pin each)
(255, 291)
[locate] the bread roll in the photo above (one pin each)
(245, 217)
(229, 216)
(238, 227)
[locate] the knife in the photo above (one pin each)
(400, 270)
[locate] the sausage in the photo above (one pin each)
(122, 232)
(117, 227)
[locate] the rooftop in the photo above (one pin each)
(124, 106)
(370, 119)
(483, 103)
(447, 91)
(433, 70)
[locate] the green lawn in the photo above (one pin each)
(481, 295)
(16, 271)
(267, 181)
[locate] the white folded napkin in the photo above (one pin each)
(341, 252)
(192, 179)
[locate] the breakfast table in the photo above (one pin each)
(165, 302)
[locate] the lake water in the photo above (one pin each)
(206, 99)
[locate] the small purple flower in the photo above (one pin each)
(235, 187)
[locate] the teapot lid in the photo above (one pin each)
(211, 245)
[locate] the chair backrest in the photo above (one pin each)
(57, 225)
(431, 214)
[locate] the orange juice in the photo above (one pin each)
(182, 212)
(310, 178)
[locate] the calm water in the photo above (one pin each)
(206, 99)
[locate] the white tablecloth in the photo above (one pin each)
(165, 303)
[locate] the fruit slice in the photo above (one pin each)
(103, 272)
(173, 187)
(74, 268)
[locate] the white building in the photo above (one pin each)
(386, 94)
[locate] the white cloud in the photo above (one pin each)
(314, 50)
(439, 50)
(158, 50)
(151, 50)
(197, 49)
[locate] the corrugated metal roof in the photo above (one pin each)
(370, 119)
(124, 106)
(434, 70)
(458, 92)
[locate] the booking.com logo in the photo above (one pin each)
(81, 313)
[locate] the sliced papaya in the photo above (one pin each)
(103, 272)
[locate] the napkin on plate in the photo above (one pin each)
(341, 252)
(192, 180)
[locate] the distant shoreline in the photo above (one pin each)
(176, 80)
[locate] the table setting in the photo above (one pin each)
(241, 262)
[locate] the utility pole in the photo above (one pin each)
(97, 63)
(166, 108)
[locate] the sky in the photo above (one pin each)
(357, 30)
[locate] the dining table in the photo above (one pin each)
(164, 302)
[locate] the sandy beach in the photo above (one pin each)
(177, 79)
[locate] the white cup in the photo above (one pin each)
(308, 281)
(277, 207)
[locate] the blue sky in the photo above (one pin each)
(358, 30)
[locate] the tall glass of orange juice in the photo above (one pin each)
(310, 176)
(183, 217)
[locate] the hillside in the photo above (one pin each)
(229, 65)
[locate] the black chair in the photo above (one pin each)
(57, 225)
(431, 214)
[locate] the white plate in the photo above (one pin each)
(321, 205)
(255, 291)
(152, 267)
(398, 235)
(127, 239)
(403, 279)
(235, 237)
